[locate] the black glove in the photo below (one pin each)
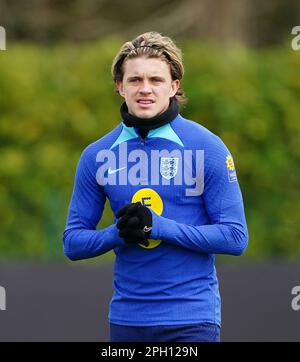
(135, 223)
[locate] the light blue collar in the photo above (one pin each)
(165, 131)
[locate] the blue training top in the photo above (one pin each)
(186, 176)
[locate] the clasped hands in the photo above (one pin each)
(135, 223)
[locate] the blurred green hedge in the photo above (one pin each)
(55, 101)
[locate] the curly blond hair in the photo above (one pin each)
(152, 45)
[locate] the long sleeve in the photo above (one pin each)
(81, 240)
(226, 233)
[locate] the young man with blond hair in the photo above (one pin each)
(173, 188)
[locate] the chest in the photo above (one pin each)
(152, 173)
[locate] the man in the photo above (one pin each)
(173, 189)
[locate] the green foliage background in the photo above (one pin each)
(54, 101)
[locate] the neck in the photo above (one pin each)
(145, 124)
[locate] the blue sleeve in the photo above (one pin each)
(81, 240)
(227, 231)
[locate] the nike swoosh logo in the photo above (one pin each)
(147, 228)
(111, 171)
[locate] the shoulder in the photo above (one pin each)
(194, 135)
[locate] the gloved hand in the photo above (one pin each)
(135, 223)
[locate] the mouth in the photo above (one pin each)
(145, 103)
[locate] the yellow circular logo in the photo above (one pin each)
(229, 163)
(151, 199)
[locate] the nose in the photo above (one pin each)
(145, 88)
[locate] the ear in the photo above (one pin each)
(119, 88)
(174, 87)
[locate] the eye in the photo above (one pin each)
(157, 80)
(133, 80)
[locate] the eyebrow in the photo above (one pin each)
(133, 77)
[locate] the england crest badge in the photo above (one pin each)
(169, 167)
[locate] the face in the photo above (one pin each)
(147, 86)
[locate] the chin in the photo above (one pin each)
(145, 114)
